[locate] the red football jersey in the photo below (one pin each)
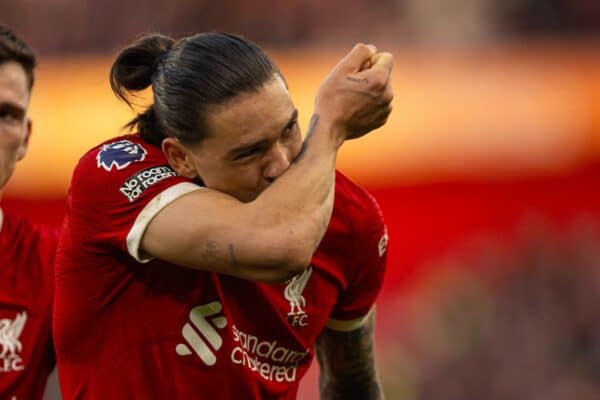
(26, 286)
(129, 327)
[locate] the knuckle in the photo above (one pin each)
(366, 50)
(388, 96)
(379, 79)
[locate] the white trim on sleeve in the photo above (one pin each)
(159, 202)
(1, 219)
(349, 325)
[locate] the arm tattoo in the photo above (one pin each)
(232, 258)
(347, 364)
(314, 120)
(357, 80)
(209, 251)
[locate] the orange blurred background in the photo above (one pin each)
(477, 143)
(493, 113)
(495, 128)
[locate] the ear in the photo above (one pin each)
(179, 157)
(23, 147)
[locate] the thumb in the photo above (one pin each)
(382, 60)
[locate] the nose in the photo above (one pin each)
(277, 162)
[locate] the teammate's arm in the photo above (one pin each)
(347, 364)
(274, 236)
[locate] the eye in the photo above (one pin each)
(11, 114)
(289, 129)
(246, 154)
(4, 114)
(249, 153)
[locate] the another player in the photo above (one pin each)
(187, 266)
(26, 250)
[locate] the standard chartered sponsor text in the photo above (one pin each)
(270, 361)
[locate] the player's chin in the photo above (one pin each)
(242, 195)
(251, 195)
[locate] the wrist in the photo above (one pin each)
(326, 130)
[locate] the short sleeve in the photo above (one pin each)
(115, 192)
(357, 301)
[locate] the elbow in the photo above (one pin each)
(297, 257)
(288, 269)
(294, 266)
(290, 260)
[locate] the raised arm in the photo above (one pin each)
(347, 364)
(275, 235)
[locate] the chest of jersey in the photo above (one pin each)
(185, 328)
(25, 307)
(221, 314)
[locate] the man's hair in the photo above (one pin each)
(13, 48)
(187, 77)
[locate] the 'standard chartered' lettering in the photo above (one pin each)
(270, 360)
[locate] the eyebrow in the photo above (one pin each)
(245, 147)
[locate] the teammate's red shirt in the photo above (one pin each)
(26, 286)
(126, 328)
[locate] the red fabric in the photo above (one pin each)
(128, 330)
(26, 286)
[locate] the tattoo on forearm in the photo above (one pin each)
(232, 259)
(357, 80)
(347, 365)
(314, 120)
(209, 251)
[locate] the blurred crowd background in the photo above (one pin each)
(488, 170)
(69, 26)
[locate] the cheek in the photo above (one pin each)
(10, 146)
(232, 180)
(8, 157)
(295, 147)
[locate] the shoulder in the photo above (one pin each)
(28, 239)
(122, 166)
(16, 227)
(356, 211)
(116, 155)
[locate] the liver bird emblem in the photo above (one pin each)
(293, 292)
(10, 330)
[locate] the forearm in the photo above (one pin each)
(274, 236)
(347, 365)
(269, 239)
(299, 203)
(351, 387)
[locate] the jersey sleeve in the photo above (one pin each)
(356, 302)
(116, 190)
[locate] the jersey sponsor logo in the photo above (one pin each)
(10, 345)
(200, 332)
(293, 294)
(138, 183)
(120, 154)
(383, 242)
(267, 358)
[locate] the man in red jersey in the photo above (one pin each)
(26, 250)
(187, 264)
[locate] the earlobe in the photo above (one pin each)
(179, 158)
